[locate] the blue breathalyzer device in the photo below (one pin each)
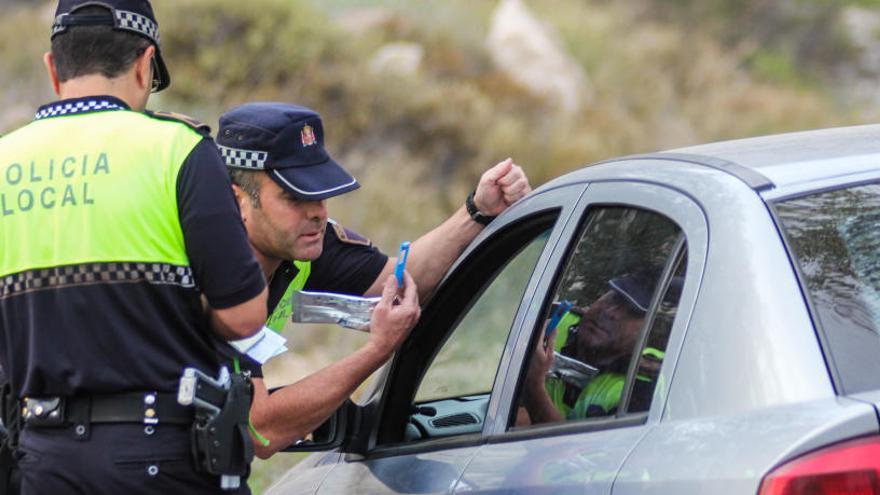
(401, 262)
(559, 311)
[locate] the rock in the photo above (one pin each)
(530, 54)
(401, 59)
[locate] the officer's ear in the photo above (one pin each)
(49, 62)
(143, 68)
(243, 202)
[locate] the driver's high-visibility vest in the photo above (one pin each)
(603, 392)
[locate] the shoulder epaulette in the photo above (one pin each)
(347, 236)
(200, 127)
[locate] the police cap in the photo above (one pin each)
(135, 16)
(287, 142)
(638, 289)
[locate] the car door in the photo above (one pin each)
(430, 419)
(621, 231)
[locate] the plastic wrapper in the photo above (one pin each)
(572, 371)
(326, 307)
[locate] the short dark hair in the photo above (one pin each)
(84, 50)
(248, 181)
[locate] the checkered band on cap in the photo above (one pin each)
(96, 273)
(75, 107)
(131, 21)
(235, 157)
(57, 27)
(139, 23)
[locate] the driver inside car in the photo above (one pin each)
(600, 338)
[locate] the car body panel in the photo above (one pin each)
(730, 454)
(747, 347)
(308, 474)
(427, 472)
(584, 463)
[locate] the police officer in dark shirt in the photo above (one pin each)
(111, 277)
(282, 177)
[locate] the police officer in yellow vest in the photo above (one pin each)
(111, 277)
(282, 177)
(602, 335)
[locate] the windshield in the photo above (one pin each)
(835, 238)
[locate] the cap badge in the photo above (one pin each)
(307, 136)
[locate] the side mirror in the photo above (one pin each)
(332, 434)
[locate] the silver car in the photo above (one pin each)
(700, 321)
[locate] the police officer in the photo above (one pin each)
(111, 277)
(602, 335)
(282, 177)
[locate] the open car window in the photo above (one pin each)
(597, 352)
(468, 362)
(454, 393)
(441, 380)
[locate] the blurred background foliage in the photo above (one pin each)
(661, 74)
(416, 103)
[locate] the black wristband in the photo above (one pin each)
(474, 212)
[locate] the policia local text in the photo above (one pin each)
(49, 185)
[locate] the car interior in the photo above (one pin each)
(424, 401)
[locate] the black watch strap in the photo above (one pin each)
(474, 212)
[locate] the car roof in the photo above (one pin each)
(774, 164)
(797, 157)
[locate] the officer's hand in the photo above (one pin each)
(500, 187)
(394, 315)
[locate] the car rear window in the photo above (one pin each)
(834, 237)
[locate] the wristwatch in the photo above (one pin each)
(474, 212)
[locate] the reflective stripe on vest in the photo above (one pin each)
(92, 188)
(283, 310)
(603, 391)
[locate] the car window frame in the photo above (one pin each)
(672, 262)
(676, 257)
(676, 205)
(564, 200)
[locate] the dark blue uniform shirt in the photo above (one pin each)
(349, 264)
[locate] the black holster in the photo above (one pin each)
(220, 440)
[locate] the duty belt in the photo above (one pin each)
(148, 408)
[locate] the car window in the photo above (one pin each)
(592, 347)
(468, 362)
(835, 239)
(452, 363)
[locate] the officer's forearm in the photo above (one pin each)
(240, 321)
(299, 408)
(432, 254)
